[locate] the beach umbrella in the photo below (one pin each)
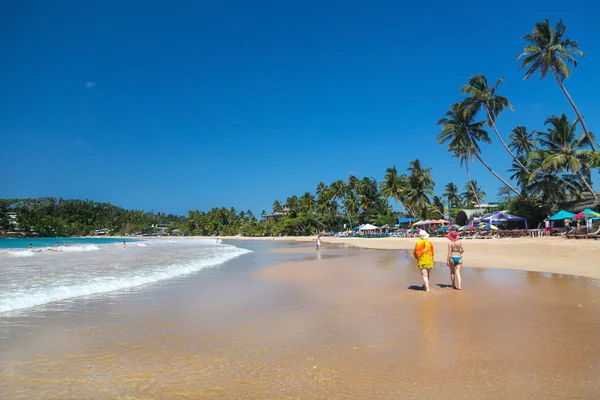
(443, 228)
(466, 228)
(587, 213)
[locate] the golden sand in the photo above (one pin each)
(353, 327)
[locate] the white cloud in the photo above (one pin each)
(90, 85)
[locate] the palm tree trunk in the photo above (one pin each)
(496, 175)
(471, 183)
(587, 185)
(504, 144)
(564, 89)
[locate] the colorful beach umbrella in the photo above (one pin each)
(586, 214)
(466, 228)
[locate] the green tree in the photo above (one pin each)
(563, 150)
(549, 50)
(451, 193)
(420, 186)
(522, 142)
(394, 186)
(472, 192)
(463, 135)
(482, 96)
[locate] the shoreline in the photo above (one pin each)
(556, 255)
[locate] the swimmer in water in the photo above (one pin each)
(123, 244)
(56, 245)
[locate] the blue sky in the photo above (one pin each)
(172, 106)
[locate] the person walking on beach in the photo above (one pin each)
(423, 253)
(547, 226)
(455, 251)
(123, 244)
(319, 243)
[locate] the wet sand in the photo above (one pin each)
(351, 326)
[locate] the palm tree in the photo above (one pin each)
(394, 185)
(438, 205)
(451, 193)
(504, 193)
(463, 135)
(472, 193)
(521, 141)
(563, 150)
(483, 96)
(548, 50)
(277, 208)
(420, 186)
(523, 178)
(554, 189)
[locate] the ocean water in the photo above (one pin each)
(37, 277)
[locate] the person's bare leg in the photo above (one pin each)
(425, 274)
(458, 277)
(452, 274)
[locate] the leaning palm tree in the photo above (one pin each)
(522, 142)
(548, 50)
(563, 150)
(451, 193)
(463, 135)
(438, 205)
(484, 96)
(472, 192)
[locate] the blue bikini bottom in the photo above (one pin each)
(456, 259)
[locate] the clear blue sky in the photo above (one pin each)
(172, 106)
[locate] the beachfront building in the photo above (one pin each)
(101, 232)
(12, 220)
(274, 215)
(464, 216)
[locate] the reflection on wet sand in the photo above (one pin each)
(334, 327)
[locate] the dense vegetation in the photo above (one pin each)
(58, 217)
(550, 166)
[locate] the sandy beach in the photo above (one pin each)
(287, 322)
(553, 254)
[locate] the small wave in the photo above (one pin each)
(17, 253)
(22, 300)
(78, 248)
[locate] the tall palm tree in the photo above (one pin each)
(438, 205)
(394, 186)
(484, 96)
(521, 141)
(277, 208)
(451, 193)
(523, 178)
(472, 192)
(463, 135)
(563, 150)
(504, 193)
(548, 50)
(420, 186)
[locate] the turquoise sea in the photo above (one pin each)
(17, 243)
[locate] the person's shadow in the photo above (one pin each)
(415, 287)
(444, 286)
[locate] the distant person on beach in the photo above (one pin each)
(217, 239)
(455, 251)
(547, 226)
(30, 246)
(56, 245)
(567, 225)
(65, 244)
(423, 253)
(319, 243)
(124, 244)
